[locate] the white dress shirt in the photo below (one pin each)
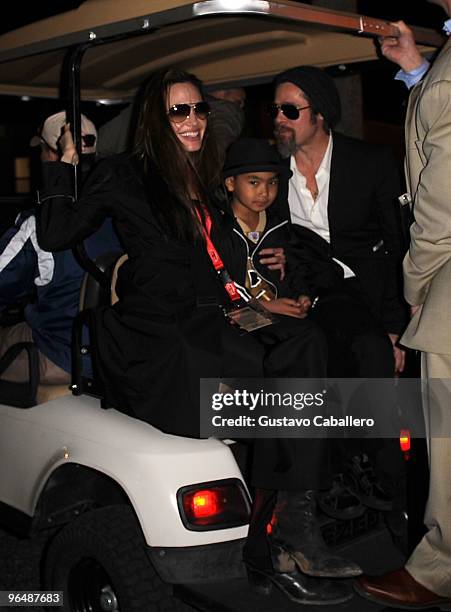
(306, 211)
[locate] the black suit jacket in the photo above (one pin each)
(364, 224)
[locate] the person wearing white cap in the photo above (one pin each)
(53, 278)
(50, 132)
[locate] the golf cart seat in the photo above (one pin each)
(85, 377)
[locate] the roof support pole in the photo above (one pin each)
(70, 93)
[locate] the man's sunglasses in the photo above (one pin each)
(89, 140)
(290, 111)
(179, 112)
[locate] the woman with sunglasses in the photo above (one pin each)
(156, 342)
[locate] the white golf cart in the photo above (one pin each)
(134, 515)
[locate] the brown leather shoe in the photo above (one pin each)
(398, 589)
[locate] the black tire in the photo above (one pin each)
(102, 555)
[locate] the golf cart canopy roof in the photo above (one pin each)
(221, 41)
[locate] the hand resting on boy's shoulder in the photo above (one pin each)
(275, 259)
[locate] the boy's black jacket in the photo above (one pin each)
(307, 271)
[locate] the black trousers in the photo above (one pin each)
(290, 348)
(293, 348)
(357, 344)
(358, 347)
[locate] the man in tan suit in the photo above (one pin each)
(425, 581)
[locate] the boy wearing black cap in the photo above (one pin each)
(252, 172)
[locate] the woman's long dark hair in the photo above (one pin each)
(157, 146)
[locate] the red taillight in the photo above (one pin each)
(404, 440)
(204, 503)
(213, 505)
(270, 525)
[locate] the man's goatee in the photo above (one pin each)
(286, 148)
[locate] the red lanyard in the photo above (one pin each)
(213, 253)
(217, 262)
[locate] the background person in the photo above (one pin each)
(49, 281)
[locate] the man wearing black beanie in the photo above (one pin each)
(318, 88)
(342, 202)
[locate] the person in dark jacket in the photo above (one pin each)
(342, 202)
(168, 329)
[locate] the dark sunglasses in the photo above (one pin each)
(89, 140)
(290, 111)
(179, 112)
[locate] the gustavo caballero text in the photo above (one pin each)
(269, 421)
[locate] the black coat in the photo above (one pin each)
(364, 226)
(167, 329)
